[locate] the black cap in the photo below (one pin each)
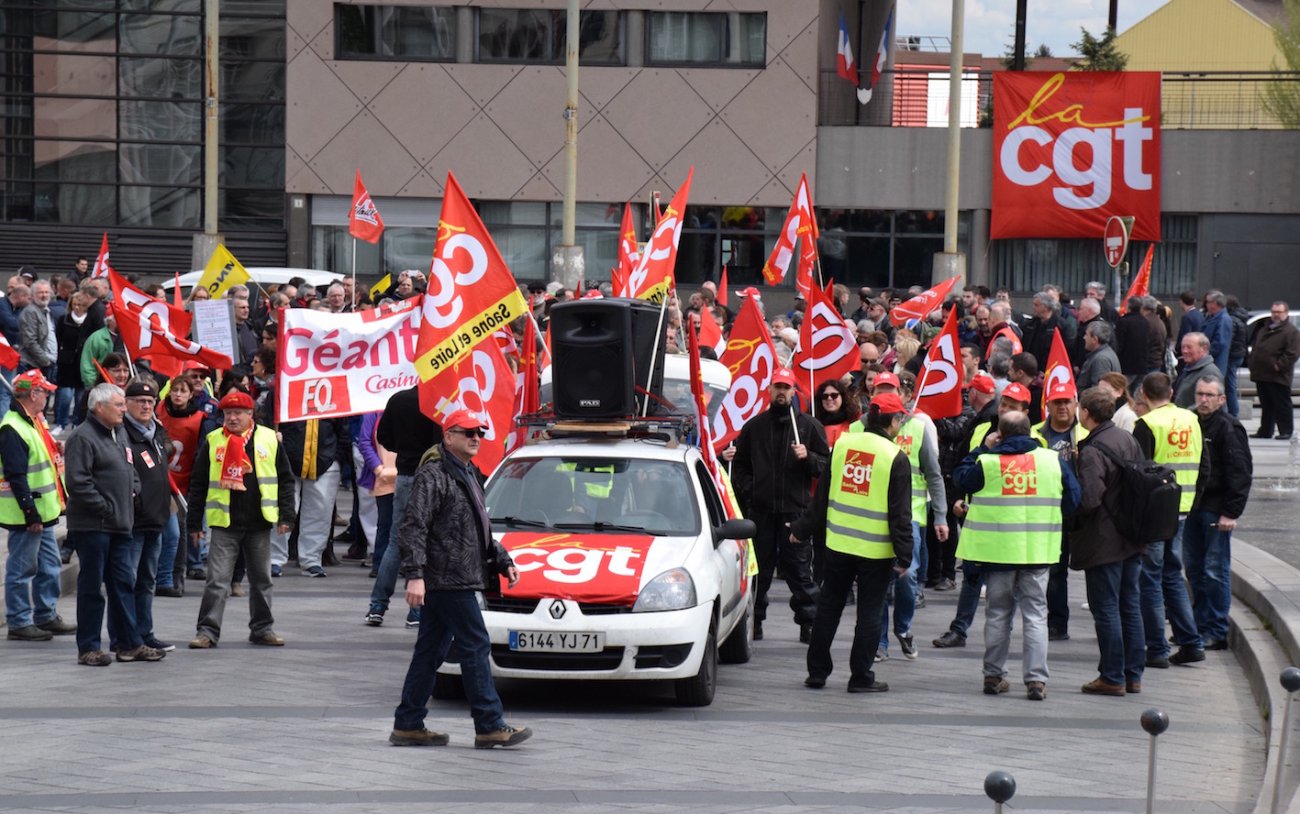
(141, 387)
(27, 272)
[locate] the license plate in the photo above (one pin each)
(542, 641)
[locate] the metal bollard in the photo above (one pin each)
(1155, 722)
(1000, 786)
(1290, 683)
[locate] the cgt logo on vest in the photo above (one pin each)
(904, 442)
(1179, 438)
(856, 477)
(1019, 475)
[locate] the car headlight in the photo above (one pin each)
(671, 590)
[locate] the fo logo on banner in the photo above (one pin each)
(856, 477)
(1019, 475)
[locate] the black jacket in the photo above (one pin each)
(1223, 482)
(1131, 334)
(1038, 338)
(1095, 540)
(101, 482)
(767, 476)
(405, 430)
(245, 506)
(150, 457)
(444, 536)
(333, 443)
(899, 501)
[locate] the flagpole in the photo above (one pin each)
(354, 272)
(654, 353)
(795, 424)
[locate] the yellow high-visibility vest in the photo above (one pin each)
(1015, 519)
(266, 448)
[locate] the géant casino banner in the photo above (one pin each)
(1072, 149)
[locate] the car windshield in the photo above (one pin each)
(616, 495)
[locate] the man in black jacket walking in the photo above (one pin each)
(1222, 488)
(779, 454)
(445, 541)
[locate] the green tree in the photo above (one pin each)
(1281, 97)
(1099, 53)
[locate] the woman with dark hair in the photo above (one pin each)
(835, 408)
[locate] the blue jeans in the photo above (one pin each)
(63, 401)
(1114, 599)
(145, 546)
(105, 560)
(1164, 594)
(391, 563)
(451, 614)
(968, 601)
(1207, 553)
(171, 539)
(31, 577)
(1230, 383)
(904, 592)
(383, 527)
(6, 393)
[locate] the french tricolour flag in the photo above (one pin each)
(882, 54)
(844, 64)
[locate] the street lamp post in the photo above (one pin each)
(205, 242)
(567, 265)
(950, 262)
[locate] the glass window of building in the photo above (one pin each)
(540, 36)
(722, 39)
(394, 32)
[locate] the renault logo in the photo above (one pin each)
(557, 609)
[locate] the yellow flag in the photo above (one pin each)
(381, 288)
(222, 271)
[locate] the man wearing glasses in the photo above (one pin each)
(1272, 365)
(447, 548)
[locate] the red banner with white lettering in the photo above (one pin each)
(751, 358)
(484, 384)
(364, 221)
(1071, 149)
(920, 306)
(653, 278)
(828, 346)
(596, 568)
(153, 329)
(938, 392)
(628, 253)
(800, 225)
(101, 267)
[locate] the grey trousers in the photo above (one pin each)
(1030, 586)
(223, 549)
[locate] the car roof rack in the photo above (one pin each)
(669, 428)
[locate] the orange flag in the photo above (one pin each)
(628, 255)
(800, 225)
(920, 306)
(652, 278)
(1058, 370)
(722, 287)
(1142, 282)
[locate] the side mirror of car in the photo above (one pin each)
(735, 529)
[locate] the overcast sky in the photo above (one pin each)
(990, 24)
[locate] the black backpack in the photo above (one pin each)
(1146, 506)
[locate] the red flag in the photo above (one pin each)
(101, 267)
(652, 278)
(828, 346)
(9, 357)
(711, 333)
(800, 225)
(152, 329)
(1142, 282)
(722, 287)
(938, 393)
(527, 385)
(1058, 369)
(920, 306)
(751, 358)
(484, 384)
(628, 254)
(844, 64)
(471, 294)
(364, 221)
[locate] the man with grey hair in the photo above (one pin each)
(101, 486)
(1096, 290)
(1195, 352)
(37, 345)
(1038, 335)
(1100, 358)
(336, 297)
(1089, 311)
(1218, 327)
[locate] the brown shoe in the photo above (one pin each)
(202, 642)
(1133, 687)
(238, 589)
(1035, 691)
(268, 638)
(417, 737)
(1099, 687)
(505, 736)
(141, 653)
(94, 658)
(994, 685)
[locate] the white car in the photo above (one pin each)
(630, 567)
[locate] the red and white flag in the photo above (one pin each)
(1141, 286)
(9, 357)
(1058, 369)
(101, 267)
(722, 287)
(364, 221)
(527, 385)
(882, 55)
(938, 392)
(471, 294)
(828, 346)
(711, 333)
(751, 358)
(844, 64)
(628, 253)
(800, 225)
(484, 384)
(154, 329)
(652, 278)
(920, 306)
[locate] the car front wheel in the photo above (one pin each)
(698, 690)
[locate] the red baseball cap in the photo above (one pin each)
(982, 383)
(885, 378)
(888, 403)
(1017, 392)
(465, 420)
(1062, 390)
(33, 380)
(752, 292)
(236, 400)
(785, 375)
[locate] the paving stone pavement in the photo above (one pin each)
(302, 728)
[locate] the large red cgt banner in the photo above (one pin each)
(1072, 149)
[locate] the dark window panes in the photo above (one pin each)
(74, 203)
(525, 251)
(82, 75)
(382, 32)
(15, 110)
(511, 213)
(922, 222)
(252, 8)
(161, 121)
(599, 251)
(181, 6)
(161, 78)
(75, 118)
(252, 124)
(600, 37)
(252, 38)
(70, 28)
(166, 207)
(252, 81)
(252, 167)
(405, 247)
(914, 261)
(75, 161)
(753, 39)
(160, 164)
(161, 34)
(591, 214)
(518, 35)
(15, 201)
(697, 255)
(685, 37)
(744, 253)
(749, 217)
(252, 208)
(865, 261)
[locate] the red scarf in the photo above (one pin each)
(56, 456)
(234, 461)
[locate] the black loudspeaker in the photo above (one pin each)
(602, 350)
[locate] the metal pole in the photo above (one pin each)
(1018, 58)
(999, 786)
(1290, 683)
(1112, 20)
(954, 128)
(1155, 722)
(571, 124)
(212, 79)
